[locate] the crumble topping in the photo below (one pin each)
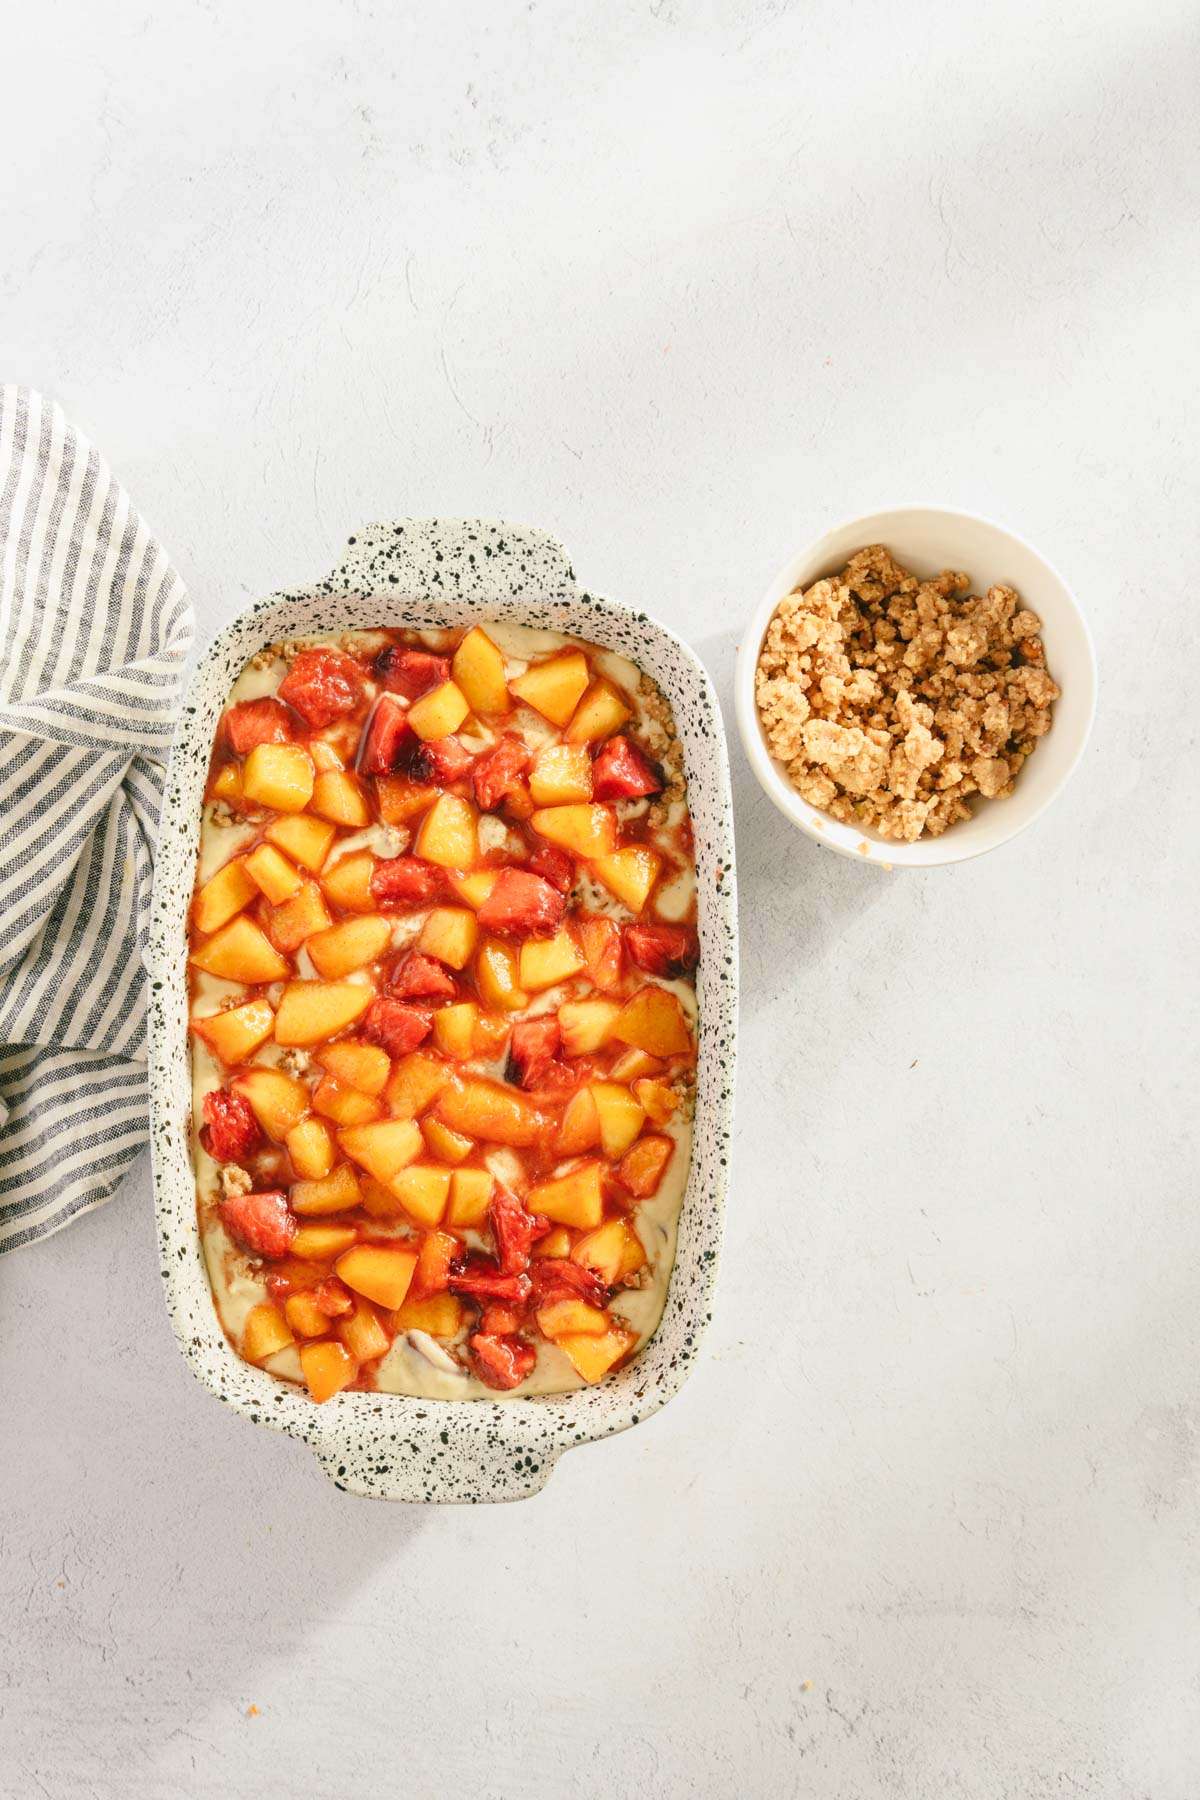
(892, 700)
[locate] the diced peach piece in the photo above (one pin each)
(423, 1190)
(415, 1083)
(320, 1243)
(310, 1147)
(449, 933)
(585, 1025)
(586, 831)
(621, 1118)
(401, 799)
(328, 1367)
(601, 944)
(348, 882)
(592, 1356)
(572, 1199)
(274, 874)
(338, 796)
(491, 1033)
(349, 946)
(580, 1128)
(447, 834)
(601, 712)
(227, 785)
(265, 1331)
(289, 925)
(614, 1250)
(438, 1252)
(470, 1191)
(323, 753)
(279, 777)
(233, 1035)
(448, 1146)
(240, 952)
(629, 874)
(473, 889)
(278, 1101)
(381, 1272)
(478, 668)
(439, 712)
(310, 1011)
(497, 977)
(333, 1193)
(631, 1065)
(554, 687)
(382, 1148)
(223, 895)
(301, 837)
(498, 1115)
(454, 1029)
(641, 1169)
(654, 1021)
(362, 1332)
(304, 1315)
(544, 962)
(657, 1100)
(362, 1066)
(441, 1315)
(305, 839)
(555, 1243)
(561, 774)
(345, 1105)
(563, 1316)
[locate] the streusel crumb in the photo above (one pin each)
(892, 700)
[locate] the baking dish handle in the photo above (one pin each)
(453, 1474)
(489, 560)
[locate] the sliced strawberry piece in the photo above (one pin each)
(322, 685)
(386, 732)
(259, 1222)
(666, 950)
(231, 1129)
(532, 1048)
(253, 722)
(480, 1277)
(556, 1278)
(393, 748)
(600, 942)
(498, 770)
(553, 865)
(395, 1027)
(622, 771)
(554, 1082)
(405, 882)
(333, 1297)
(522, 905)
(410, 672)
(501, 1362)
(419, 977)
(515, 1231)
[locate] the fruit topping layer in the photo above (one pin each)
(443, 1012)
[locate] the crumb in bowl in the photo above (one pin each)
(891, 701)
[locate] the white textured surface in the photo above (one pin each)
(683, 283)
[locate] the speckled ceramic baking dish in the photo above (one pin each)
(427, 573)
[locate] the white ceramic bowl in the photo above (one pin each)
(927, 539)
(430, 572)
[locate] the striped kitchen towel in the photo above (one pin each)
(94, 628)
